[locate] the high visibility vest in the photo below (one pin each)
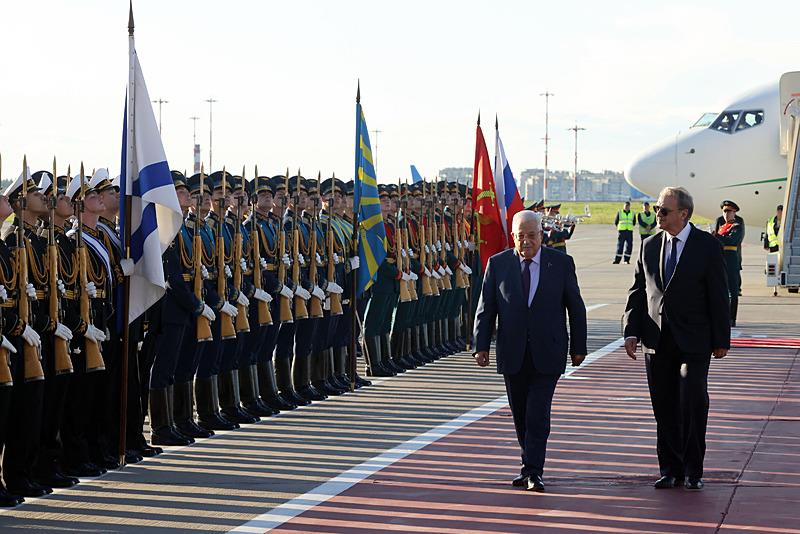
(772, 237)
(625, 221)
(647, 220)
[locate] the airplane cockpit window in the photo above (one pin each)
(705, 121)
(726, 122)
(750, 119)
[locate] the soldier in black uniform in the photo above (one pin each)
(730, 234)
(721, 220)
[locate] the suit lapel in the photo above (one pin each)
(684, 257)
(660, 269)
(516, 276)
(544, 274)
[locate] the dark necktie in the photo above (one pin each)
(672, 261)
(526, 279)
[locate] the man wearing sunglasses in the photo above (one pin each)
(678, 308)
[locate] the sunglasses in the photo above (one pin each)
(728, 211)
(661, 210)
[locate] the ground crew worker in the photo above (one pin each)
(624, 221)
(771, 242)
(647, 222)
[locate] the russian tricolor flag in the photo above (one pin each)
(147, 195)
(508, 197)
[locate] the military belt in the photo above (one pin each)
(730, 247)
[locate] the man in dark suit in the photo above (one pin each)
(678, 308)
(528, 290)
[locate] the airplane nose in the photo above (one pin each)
(652, 170)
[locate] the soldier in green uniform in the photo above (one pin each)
(730, 235)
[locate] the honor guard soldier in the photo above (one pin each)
(56, 361)
(647, 221)
(771, 242)
(217, 254)
(737, 219)
(176, 311)
(624, 221)
(730, 235)
(23, 427)
(558, 235)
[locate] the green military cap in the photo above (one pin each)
(311, 187)
(729, 204)
(278, 183)
(193, 183)
(296, 184)
(216, 179)
(331, 185)
(383, 191)
(178, 179)
(415, 189)
(349, 188)
(263, 184)
(394, 190)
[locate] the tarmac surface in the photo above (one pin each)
(434, 450)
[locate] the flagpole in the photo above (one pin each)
(129, 168)
(354, 272)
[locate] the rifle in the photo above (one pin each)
(443, 253)
(203, 324)
(436, 283)
(316, 304)
(228, 331)
(300, 310)
(264, 315)
(412, 286)
(242, 321)
(5, 358)
(405, 296)
(335, 298)
(94, 357)
(286, 302)
(427, 290)
(62, 361)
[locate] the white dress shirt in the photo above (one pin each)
(534, 269)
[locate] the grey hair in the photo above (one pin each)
(685, 200)
(526, 216)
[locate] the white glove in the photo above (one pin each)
(355, 262)
(465, 244)
(262, 262)
(127, 266)
(447, 246)
(327, 304)
(318, 292)
(436, 275)
(3, 293)
(31, 291)
(319, 259)
(405, 277)
(464, 268)
(286, 260)
(427, 249)
(91, 290)
(335, 259)
(228, 272)
(263, 296)
(413, 276)
(438, 246)
(61, 289)
(447, 270)
(403, 253)
(94, 334)
(301, 292)
(242, 300)
(243, 263)
(335, 288)
(208, 313)
(31, 337)
(8, 346)
(471, 246)
(302, 260)
(204, 272)
(410, 252)
(286, 292)
(229, 309)
(427, 272)
(63, 332)
(441, 271)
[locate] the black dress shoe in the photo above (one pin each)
(83, 470)
(379, 371)
(7, 500)
(694, 484)
(535, 483)
(133, 457)
(149, 451)
(667, 482)
(215, 421)
(520, 482)
(362, 382)
(169, 437)
(56, 480)
(26, 488)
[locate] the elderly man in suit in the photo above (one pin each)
(528, 291)
(678, 308)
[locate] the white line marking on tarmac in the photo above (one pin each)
(595, 307)
(341, 483)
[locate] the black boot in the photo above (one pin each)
(162, 431)
(301, 376)
(229, 402)
(283, 379)
(268, 388)
(183, 412)
(386, 355)
(416, 346)
(206, 392)
(248, 389)
(372, 354)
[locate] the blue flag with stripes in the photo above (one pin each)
(367, 207)
(148, 201)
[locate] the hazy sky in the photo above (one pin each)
(285, 76)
